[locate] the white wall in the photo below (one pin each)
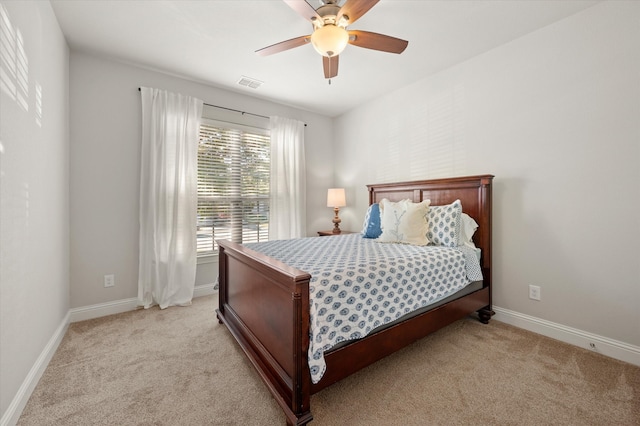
(104, 170)
(34, 189)
(555, 115)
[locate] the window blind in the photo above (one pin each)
(233, 185)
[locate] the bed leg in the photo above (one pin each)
(485, 314)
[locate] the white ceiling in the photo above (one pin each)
(213, 42)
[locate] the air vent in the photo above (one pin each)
(250, 82)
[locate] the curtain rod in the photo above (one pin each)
(234, 110)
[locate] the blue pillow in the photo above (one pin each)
(371, 227)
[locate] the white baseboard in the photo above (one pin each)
(103, 309)
(204, 290)
(124, 305)
(603, 345)
(11, 416)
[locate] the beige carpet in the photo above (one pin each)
(180, 367)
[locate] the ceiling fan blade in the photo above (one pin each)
(377, 41)
(304, 9)
(354, 9)
(330, 65)
(283, 45)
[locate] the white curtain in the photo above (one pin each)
(168, 198)
(287, 205)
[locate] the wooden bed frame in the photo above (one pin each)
(265, 303)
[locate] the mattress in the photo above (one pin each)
(359, 285)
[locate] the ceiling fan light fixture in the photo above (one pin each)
(330, 40)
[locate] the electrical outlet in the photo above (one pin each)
(534, 292)
(109, 280)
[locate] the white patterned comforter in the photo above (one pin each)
(358, 284)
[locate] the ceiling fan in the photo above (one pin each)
(330, 35)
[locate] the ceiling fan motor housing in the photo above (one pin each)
(329, 14)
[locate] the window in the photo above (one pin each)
(233, 184)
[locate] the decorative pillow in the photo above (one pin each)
(404, 222)
(371, 227)
(468, 227)
(444, 224)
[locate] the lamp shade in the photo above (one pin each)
(336, 198)
(330, 40)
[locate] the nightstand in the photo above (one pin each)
(330, 233)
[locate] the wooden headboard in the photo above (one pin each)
(474, 192)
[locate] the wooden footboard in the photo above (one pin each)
(267, 310)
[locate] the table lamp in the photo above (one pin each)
(336, 199)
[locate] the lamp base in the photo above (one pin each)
(336, 221)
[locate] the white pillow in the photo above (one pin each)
(404, 222)
(467, 229)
